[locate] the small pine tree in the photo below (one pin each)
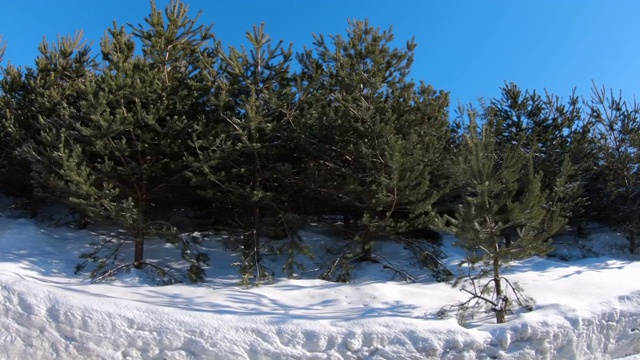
(503, 191)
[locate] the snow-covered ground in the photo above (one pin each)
(587, 306)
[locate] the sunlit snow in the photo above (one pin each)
(587, 306)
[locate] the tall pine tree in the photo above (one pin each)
(242, 162)
(46, 98)
(379, 139)
(557, 135)
(618, 136)
(124, 155)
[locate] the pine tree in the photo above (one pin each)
(123, 155)
(503, 190)
(378, 137)
(47, 96)
(242, 162)
(12, 89)
(16, 112)
(557, 135)
(6, 116)
(618, 136)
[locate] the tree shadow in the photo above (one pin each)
(588, 265)
(28, 245)
(250, 303)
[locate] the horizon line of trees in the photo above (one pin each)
(167, 118)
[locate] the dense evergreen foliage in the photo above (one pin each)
(379, 140)
(243, 158)
(556, 134)
(505, 214)
(618, 143)
(165, 118)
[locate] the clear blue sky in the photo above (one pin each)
(469, 48)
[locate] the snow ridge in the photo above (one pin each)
(43, 321)
(587, 308)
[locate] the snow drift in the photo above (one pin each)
(587, 308)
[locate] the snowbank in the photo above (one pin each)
(586, 309)
(42, 320)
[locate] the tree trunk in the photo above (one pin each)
(84, 221)
(580, 231)
(507, 241)
(632, 241)
(256, 236)
(508, 235)
(367, 244)
(251, 244)
(252, 240)
(248, 247)
(33, 206)
(501, 309)
(139, 250)
(138, 254)
(346, 222)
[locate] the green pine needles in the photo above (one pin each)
(378, 138)
(257, 141)
(119, 130)
(504, 215)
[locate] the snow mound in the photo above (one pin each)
(587, 308)
(42, 320)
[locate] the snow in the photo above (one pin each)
(587, 306)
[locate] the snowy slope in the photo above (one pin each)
(588, 308)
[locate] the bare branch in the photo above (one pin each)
(3, 47)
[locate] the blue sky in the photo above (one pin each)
(469, 48)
